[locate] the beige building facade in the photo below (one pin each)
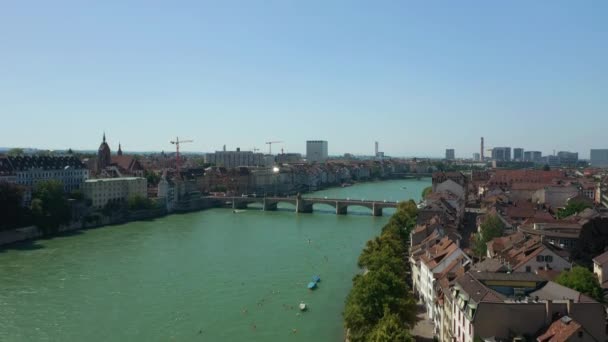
(104, 190)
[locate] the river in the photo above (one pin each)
(206, 276)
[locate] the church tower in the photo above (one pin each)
(119, 150)
(104, 156)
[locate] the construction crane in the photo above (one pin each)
(269, 143)
(177, 142)
(255, 149)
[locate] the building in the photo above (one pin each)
(316, 151)
(288, 158)
(103, 190)
(450, 154)
(104, 155)
(600, 268)
(567, 158)
(481, 150)
(476, 156)
(599, 158)
(508, 307)
(28, 171)
(552, 161)
(518, 154)
(501, 153)
(533, 156)
(233, 159)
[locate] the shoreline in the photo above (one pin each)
(23, 235)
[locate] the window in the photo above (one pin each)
(549, 258)
(540, 258)
(528, 269)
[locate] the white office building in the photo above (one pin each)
(316, 151)
(233, 159)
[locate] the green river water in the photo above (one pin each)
(206, 276)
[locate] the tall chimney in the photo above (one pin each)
(481, 154)
(569, 307)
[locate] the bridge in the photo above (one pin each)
(303, 204)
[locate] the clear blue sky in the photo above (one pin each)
(417, 76)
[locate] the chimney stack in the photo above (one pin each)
(481, 154)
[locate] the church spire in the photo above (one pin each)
(104, 137)
(119, 149)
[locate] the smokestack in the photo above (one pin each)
(481, 154)
(376, 149)
(224, 148)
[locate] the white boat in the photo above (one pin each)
(302, 306)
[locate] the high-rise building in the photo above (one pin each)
(567, 158)
(376, 149)
(476, 156)
(518, 154)
(501, 153)
(599, 157)
(316, 151)
(533, 156)
(450, 154)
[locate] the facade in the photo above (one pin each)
(567, 158)
(167, 192)
(533, 156)
(501, 153)
(518, 154)
(552, 161)
(599, 158)
(233, 159)
(288, 158)
(316, 151)
(450, 154)
(476, 157)
(28, 171)
(600, 269)
(104, 190)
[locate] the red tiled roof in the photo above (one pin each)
(560, 330)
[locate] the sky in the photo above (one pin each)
(417, 76)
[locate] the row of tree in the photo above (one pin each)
(380, 307)
(48, 210)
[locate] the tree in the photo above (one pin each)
(492, 227)
(573, 207)
(138, 202)
(152, 177)
(582, 280)
(15, 152)
(390, 329)
(546, 167)
(427, 191)
(50, 208)
(11, 212)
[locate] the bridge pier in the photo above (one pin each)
(239, 205)
(341, 209)
(376, 210)
(302, 206)
(269, 205)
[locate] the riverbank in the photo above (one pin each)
(23, 234)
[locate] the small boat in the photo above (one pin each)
(403, 188)
(312, 285)
(316, 279)
(302, 306)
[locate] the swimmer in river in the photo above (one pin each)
(309, 241)
(294, 330)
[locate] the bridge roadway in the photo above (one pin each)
(303, 204)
